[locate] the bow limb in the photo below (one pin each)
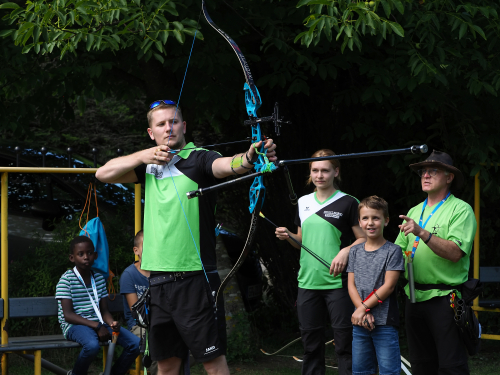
(252, 102)
(253, 95)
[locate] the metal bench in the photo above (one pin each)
(489, 275)
(43, 307)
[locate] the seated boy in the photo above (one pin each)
(133, 283)
(83, 311)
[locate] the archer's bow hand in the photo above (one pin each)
(269, 146)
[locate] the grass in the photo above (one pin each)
(487, 362)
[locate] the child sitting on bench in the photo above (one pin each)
(83, 311)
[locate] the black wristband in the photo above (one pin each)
(242, 166)
(248, 160)
(98, 327)
(428, 239)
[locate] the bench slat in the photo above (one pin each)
(26, 307)
(39, 342)
(489, 274)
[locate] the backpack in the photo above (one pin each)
(95, 231)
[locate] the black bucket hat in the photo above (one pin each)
(444, 161)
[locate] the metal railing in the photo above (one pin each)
(4, 255)
(477, 213)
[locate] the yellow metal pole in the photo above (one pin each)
(138, 210)
(477, 209)
(38, 362)
(104, 358)
(4, 257)
(138, 227)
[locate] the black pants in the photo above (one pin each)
(313, 307)
(433, 339)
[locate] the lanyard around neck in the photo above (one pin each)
(94, 288)
(417, 239)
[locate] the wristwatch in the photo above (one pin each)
(98, 327)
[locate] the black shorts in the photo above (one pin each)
(183, 317)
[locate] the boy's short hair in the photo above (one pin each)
(75, 241)
(375, 203)
(138, 238)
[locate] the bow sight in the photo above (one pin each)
(275, 118)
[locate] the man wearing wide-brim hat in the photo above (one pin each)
(444, 227)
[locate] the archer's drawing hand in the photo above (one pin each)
(410, 226)
(339, 263)
(282, 233)
(158, 155)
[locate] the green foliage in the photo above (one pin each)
(241, 341)
(114, 24)
(441, 38)
(350, 19)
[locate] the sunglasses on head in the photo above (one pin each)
(156, 103)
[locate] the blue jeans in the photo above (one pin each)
(89, 341)
(380, 345)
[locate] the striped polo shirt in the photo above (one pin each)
(69, 287)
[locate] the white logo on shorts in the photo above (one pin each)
(210, 350)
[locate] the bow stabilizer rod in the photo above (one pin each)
(422, 149)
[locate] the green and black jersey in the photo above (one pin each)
(326, 228)
(168, 244)
(453, 221)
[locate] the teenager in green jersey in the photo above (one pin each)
(440, 264)
(181, 257)
(327, 221)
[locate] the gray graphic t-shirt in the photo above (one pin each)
(369, 269)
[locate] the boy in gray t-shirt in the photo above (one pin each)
(373, 271)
